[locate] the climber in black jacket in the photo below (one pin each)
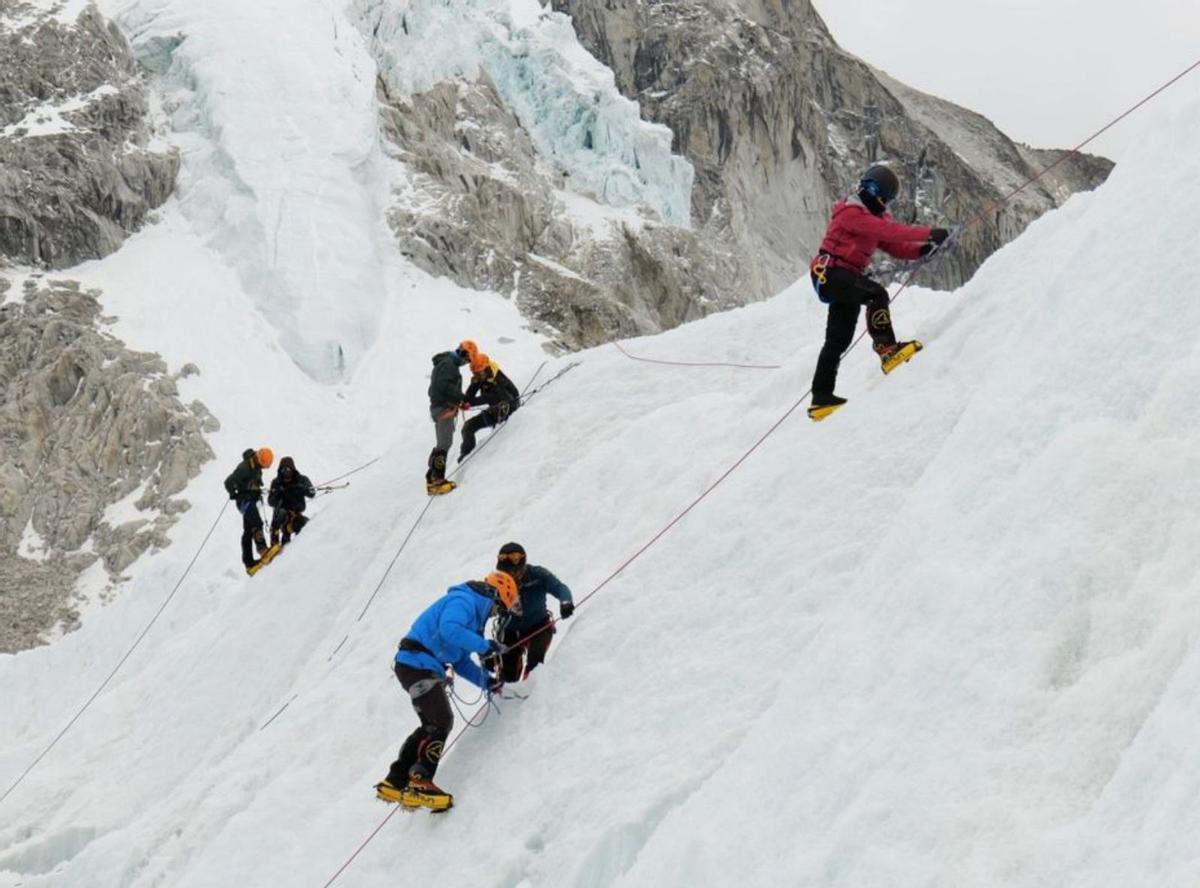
(488, 386)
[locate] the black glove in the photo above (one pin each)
(565, 610)
(925, 250)
(495, 684)
(938, 235)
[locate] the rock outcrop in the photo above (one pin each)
(478, 205)
(779, 121)
(79, 165)
(96, 448)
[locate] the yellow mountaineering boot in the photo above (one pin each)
(422, 793)
(386, 791)
(437, 488)
(892, 356)
(823, 406)
(267, 557)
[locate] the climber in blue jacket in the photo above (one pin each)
(441, 638)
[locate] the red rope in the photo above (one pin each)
(745, 456)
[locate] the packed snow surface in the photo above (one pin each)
(945, 638)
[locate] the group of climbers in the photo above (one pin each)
(489, 388)
(438, 648)
(441, 641)
(288, 496)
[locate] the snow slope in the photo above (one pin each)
(947, 638)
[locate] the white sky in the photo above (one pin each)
(1047, 72)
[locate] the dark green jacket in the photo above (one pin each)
(245, 482)
(445, 385)
(533, 588)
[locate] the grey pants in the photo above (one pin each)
(444, 419)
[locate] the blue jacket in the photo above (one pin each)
(452, 629)
(534, 587)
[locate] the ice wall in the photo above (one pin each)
(273, 105)
(567, 100)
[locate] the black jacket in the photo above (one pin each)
(290, 493)
(445, 385)
(488, 389)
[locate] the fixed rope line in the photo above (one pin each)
(1097, 134)
(429, 502)
(137, 641)
(758, 443)
(351, 472)
(622, 350)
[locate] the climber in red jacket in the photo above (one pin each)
(860, 226)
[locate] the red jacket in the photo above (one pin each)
(855, 233)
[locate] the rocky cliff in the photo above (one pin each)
(779, 121)
(96, 448)
(79, 165)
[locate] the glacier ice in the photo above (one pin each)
(565, 98)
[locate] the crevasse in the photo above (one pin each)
(563, 96)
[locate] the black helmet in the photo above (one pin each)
(511, 558)
(880, 183)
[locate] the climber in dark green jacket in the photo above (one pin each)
(244, 486)
(445, 400)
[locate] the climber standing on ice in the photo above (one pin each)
(861, 225)
(443, 636)
(445, 400)
(489, 386)
(244, 486)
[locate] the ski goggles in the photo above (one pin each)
(514, 558)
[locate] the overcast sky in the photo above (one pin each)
(1047, 72)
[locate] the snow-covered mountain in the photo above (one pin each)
(947, 638)
(306, 143)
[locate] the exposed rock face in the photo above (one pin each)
(79, 168)
(779, 122)
(480, 206)
(85, 424)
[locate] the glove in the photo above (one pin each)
(465, 406)
(495, 684)
(566, 609)
(938, 235)
(925, 250)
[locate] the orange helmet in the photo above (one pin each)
(505, 586)
(265, 456)
(479, 362)
(470, 349)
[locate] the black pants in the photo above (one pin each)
(252, 531)
(484, 419)
(288, 522)
(844, 291)
(422, 751)
(529, 655)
